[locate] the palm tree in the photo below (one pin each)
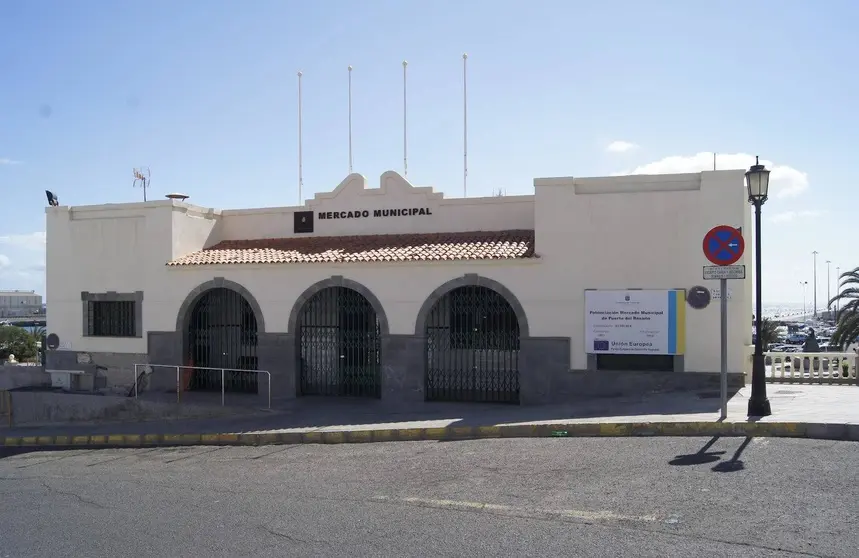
(768, 332)
(847, 328)
(38, 334)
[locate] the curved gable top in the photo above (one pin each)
(353, 190)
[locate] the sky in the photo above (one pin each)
(204, 94)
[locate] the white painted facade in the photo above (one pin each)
(591, 233)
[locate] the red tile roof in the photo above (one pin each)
(497, 245)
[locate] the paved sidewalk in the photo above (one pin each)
(798, 410)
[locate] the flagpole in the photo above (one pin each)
(464, 127)
(405, 127)
(350, 119)
(300, 169)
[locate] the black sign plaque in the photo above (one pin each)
(53, 341)
(698, 297)
(303, 222)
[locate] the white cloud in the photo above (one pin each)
(620, 147)
(32, 241)
(788, 216)
(5, 161)
(20, 275)
(23, 248)
(785, 182)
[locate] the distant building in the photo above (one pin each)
(19, 303)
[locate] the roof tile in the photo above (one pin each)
(495, 245)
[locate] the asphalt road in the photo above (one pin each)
(612, 497)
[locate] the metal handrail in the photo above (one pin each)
(179, 369)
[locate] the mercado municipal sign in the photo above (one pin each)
(635, 322)
(367, 213)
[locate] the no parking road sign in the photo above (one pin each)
(724, 245)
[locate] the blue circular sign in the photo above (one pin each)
(724, 245)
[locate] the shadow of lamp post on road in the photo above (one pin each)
(701, 457)
(704, 456)
(734, 463)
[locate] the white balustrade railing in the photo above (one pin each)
(819, 368)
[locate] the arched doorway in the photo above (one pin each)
(222, 333)
(472, 350)
(339, 345)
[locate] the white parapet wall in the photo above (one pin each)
(824, 368)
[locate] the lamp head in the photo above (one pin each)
(758, 182)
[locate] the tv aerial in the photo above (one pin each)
(141, 179)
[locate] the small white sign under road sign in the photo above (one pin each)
(724, 272)
(716, 293)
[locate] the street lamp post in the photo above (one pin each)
(837, 289)
(814, 294)
(803, 285)
(828, 283)
(758, 181)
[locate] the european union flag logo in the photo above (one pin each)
(600, 344)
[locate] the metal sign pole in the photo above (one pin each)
(724, 246)
(723, 289)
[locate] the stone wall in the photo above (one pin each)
(545, 374)
(13, 376)
(115, 370)
(30, 408)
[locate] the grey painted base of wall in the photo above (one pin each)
(545, 375)
(605, 383)
(12, 376)
(540, 360)
(115, 370)
(543, 381)
(31, 408)
(678, 360)
(275, 355)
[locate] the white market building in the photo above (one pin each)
(400, 293)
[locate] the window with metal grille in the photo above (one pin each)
(111, 319)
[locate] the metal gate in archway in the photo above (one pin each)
(339, 345)
(472, 351)
(222, 333)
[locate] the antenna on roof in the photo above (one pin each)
(464, 128)
(405, 125)
(141, 178)
(300, 170)
(350, 119)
